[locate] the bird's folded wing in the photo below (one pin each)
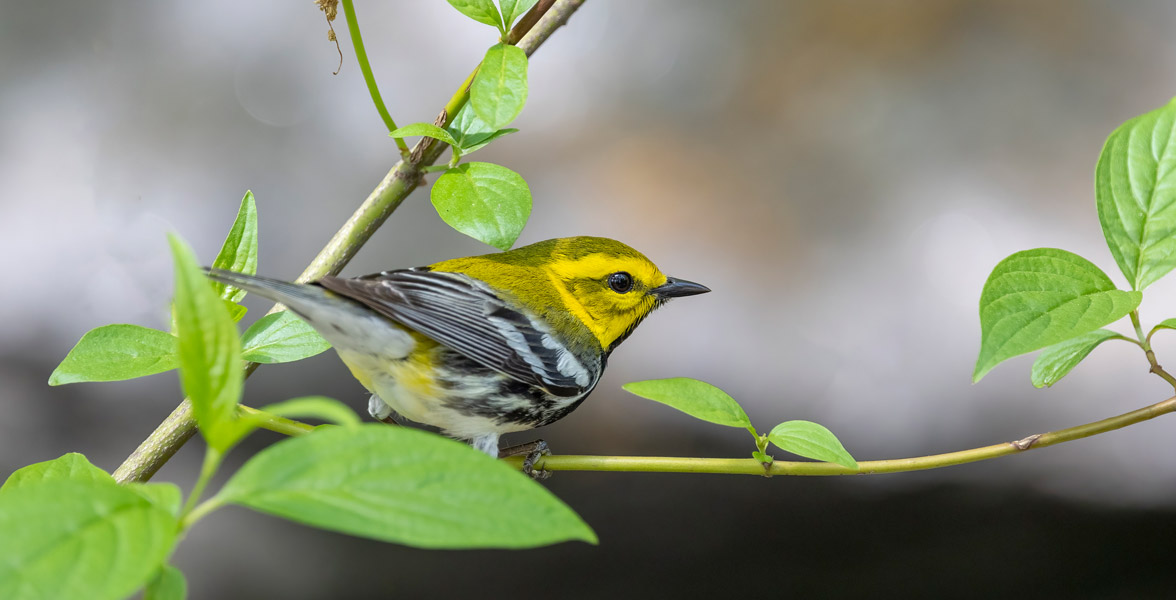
(460, 313)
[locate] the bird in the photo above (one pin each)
(485, 345)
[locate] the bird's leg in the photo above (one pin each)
(534, 451)
(380, 411)
(486, 443)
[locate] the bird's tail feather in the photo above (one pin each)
(290, 294)
(345, 323)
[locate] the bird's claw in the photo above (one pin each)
(534, 451)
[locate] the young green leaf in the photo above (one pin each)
(481, 142)
(239, 252)
(482, 11)
(761, 457)
(281, 337)
(72, 538)
(315, 407)
(513, 9)
(696, 398)
(426, 130)
(472, 133)
(402, 485)
(499, 90)
(1056, 361)
(810, 440)
(69, 466)
(1037, 298)
(168, 584)
(209, 350)
(1135, 187)
(117, 352)
(487, 202)
(236, 311)
(1165, 324)
(467, 124)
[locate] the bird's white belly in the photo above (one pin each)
(420, 400)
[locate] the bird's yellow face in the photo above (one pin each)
(579, 284)
(611, 294)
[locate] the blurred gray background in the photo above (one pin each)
(844, 175)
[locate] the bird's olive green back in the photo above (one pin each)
(565, 282)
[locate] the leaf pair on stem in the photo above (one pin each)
(1056, 300)
(485, 201)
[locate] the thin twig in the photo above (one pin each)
(749, 466)
(524, 25)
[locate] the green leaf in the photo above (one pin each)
(696, 398)
(1135, 187)
(236, 311)
(1056, 361)
(487, 202)
(315, 407)
(482, 11)
(164, 495)
(402, 485)
(281, 337)
(481, 142)
(209, 351)
(472, 133)
(1165, 324)
(426, 130)
(499, 90)
(80, 539)
(1037, 298)
(72, 466)
(117, 352)
(466, 126)
(762, 457)
(239, 252)
(168, 584)
(513, 9)
(811, 440)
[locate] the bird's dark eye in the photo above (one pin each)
(620, 282)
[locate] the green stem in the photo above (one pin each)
(366, 69)
(746, 466)
(277, 424)
(1151, 333)
(177, 429)
(1145, 343)
(1139, 330)
(212, 460)
(199, 513)
(400, 181)
(1127, 339)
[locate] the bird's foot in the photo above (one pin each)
(534, 451)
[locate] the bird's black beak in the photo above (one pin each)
(675, 288)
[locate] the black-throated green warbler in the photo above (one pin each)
(485, 345)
